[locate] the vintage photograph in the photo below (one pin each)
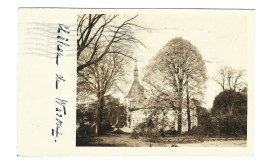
(162, 80)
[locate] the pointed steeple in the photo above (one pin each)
(136, 72)
(136, 89)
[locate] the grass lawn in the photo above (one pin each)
(125, 140)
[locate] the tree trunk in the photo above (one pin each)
(188, 108)
(98, 123)
(180, 94)
(180, 117)
(99, 114)
(188, 112)
(117, 119)
(97, 119)
(102, 101)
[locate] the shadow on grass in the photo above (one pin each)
(88, 141)
(99, 141)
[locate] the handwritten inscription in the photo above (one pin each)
(60, 112)
(61, 40)
(59, 78)
(60, 108)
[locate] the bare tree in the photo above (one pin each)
(230, 79)
(101, 78)
(177, 67)
(98, 33)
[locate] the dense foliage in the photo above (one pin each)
(228, 116)
(148, 130)
(113, 115)
(229, 113)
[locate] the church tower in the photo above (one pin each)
(135, 97)
(136, 92)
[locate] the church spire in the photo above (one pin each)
(136, 90)
(136, 72)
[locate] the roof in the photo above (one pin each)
(136, 90)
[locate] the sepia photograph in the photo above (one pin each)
(162, 80)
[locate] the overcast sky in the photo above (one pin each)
(221, 39)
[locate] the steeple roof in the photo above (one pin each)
(137, 90)
(136, 69)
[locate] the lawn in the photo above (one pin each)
(125, 140)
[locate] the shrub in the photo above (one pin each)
(229, 113)
(153, 135)
(134, 135)
(197, 131)
(233, 125)
(200, 138)
(147, 130)
(118, 131)
(106, 127)
(86, 130)
(171, 131)
(162, 132)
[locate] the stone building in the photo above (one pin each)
(137, 112)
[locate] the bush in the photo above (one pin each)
(106, 127)
(118, 131)
(134, 135)
(172, 131)
(86, 130)
(148, 131)
(200, 138)
(153, 135)
(234, 125)
(230, 121)
(162, 132)
(197, 131)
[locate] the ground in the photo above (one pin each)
(125, 140)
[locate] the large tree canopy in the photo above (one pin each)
(177, 70)
(113, 116)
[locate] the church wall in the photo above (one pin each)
(139, 116)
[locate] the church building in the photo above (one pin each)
(137, 112)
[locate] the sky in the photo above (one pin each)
(221, 37)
